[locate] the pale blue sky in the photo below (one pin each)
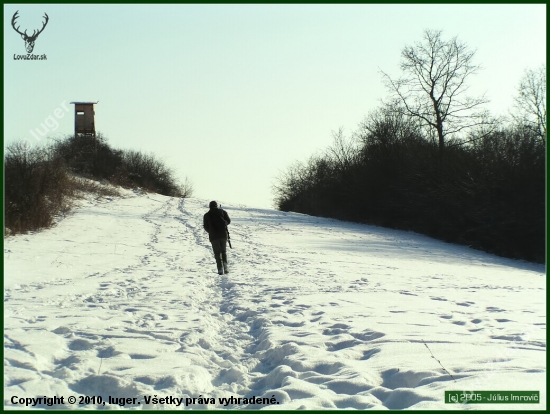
(231, 95)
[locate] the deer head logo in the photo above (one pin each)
(29, 40)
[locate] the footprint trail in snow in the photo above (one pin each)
(121, 299)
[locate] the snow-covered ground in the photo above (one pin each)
(122, 299)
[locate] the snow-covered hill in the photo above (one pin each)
(121, 299)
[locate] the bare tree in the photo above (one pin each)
(530, 103)
(433, 86)
(343, 152)
(186, 189)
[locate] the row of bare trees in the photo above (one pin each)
(432, 160)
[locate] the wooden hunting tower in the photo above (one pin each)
(84, 124)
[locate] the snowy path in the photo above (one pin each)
(122, 299)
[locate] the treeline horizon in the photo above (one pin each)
(432, 160)
(41, 183)
(488, 194)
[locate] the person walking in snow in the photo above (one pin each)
(215, 223)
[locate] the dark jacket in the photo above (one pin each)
(213, 234)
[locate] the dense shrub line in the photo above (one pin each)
(488, 194)
(36, 188)
(96, 159)
(40, 183)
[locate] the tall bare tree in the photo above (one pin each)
(433, 86)
(530, 103)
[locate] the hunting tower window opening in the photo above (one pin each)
(84, 124)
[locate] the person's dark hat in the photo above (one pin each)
(213, 204)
